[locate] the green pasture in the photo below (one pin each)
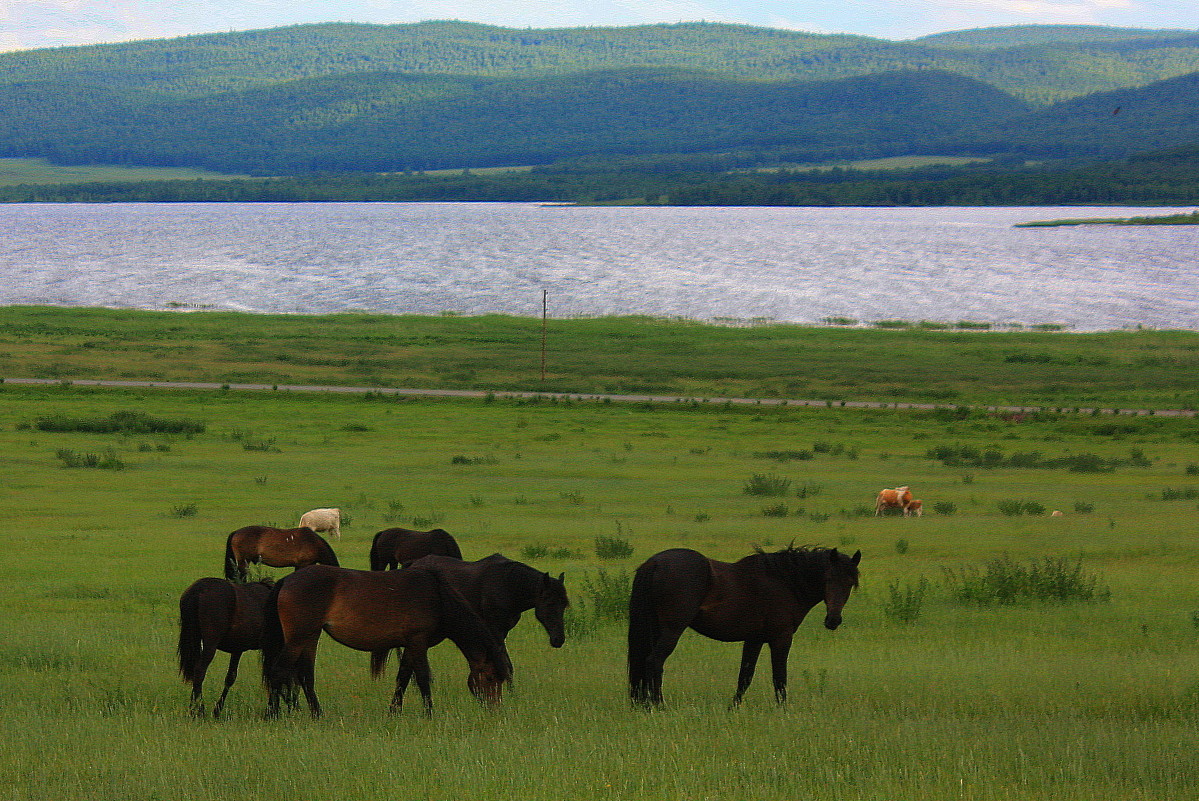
(40, 171)
(895, 361)
(1076, 699)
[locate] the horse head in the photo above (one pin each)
(486, 681)
(840, 578)
(550, 608)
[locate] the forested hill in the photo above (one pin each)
(440, 95)
(1037, 63)
(384, 122)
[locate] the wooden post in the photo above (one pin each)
(544, 313)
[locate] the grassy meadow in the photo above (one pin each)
(40, 171)
(920, 694)
(950, 362)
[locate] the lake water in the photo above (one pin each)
(787, 264)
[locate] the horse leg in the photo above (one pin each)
(306, 673)
(230, 677)
(418, 659)
(205, 659)
(663, 647)
(749, 662)
(778, 665)
(403, 676)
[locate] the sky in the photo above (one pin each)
(29, 24)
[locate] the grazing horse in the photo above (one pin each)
(276, 547)
(374, 611)
(392, 547)
(323, 520)
(897, 498)
(914, 507)
(215, 614)
(499, 589)
(759, 600)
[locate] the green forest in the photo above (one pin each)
(1160, 178)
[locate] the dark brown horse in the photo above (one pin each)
(393, 547)
(276, 547)
(759, 600)
(218, 615)
(374, 611)
(500, 590)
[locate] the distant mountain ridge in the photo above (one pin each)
(344, 97)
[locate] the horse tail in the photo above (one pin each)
(643, 630)
(230, 559)
(467, 630)
(378, 662)
(377, 560)
(278, 678)
(190, 639)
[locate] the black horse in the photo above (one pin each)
(215, 614)
(373, 611)
(393, 547)
(759, 600)
(500, 590)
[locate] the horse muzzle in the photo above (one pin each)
(832, 621)
(556, 640)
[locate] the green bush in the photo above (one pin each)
(767, 485)
(904, 604)
(1003, 581)
(105, 461)
(126, 422)
(612, 548)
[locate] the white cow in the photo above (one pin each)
(323, 520)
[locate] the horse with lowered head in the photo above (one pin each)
(275, 547)
(374, 611)
(500, 590)
(759, 600)
(393, 547)
(218, 615)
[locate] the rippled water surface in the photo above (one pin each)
(788, 264)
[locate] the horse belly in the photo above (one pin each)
(726, 628)
(368, 634)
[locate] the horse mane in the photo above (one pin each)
(805, 562)
(466, 629)
(325, 552)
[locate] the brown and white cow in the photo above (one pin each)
(897, 498)
(914, 507)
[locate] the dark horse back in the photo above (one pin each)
(393, 547)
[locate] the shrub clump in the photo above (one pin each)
(970, 456)
(126, 422)
(904, 604)
(104, 461)
(1003, 581)
(766, 484)
(612, 548)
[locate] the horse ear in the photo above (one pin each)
(857, 557)
(562, 577)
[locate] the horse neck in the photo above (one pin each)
(521, 586)
(803, 574)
